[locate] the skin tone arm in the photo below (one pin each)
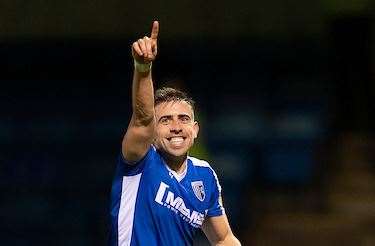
(218, 231)
(140, 132)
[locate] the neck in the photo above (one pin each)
(176, 163)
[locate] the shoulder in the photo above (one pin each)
(205, 168)
(149, 155)
(199, 163)
(150, 159)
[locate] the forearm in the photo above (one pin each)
(142, 98)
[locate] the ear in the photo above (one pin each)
(195, 129)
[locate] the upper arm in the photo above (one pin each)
(218, 231)
(137, 140)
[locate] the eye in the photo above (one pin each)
(185, 119)
(164, 120)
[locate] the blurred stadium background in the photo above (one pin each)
(285, 94)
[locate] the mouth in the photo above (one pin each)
(176, 139)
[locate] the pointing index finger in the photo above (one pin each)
(155, 30)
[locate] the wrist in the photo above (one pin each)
(142, 67)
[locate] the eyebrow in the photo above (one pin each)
(169, 116)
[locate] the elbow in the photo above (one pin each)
(230, 240)
(144, 121)
(143, 114)
(143, 117)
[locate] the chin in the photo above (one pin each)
(176, 152)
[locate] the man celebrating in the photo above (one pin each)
(160, 195)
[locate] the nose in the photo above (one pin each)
(175, 127)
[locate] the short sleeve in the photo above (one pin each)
(130, 169)
(216, 205)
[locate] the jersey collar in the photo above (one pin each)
(177, 176)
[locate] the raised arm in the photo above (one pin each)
(140, 132)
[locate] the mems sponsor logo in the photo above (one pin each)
(177, 205)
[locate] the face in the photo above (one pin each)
(175, 128)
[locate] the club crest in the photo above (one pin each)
(198, 189)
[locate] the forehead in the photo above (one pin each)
(173, 108)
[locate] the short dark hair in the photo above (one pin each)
(169, 94)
